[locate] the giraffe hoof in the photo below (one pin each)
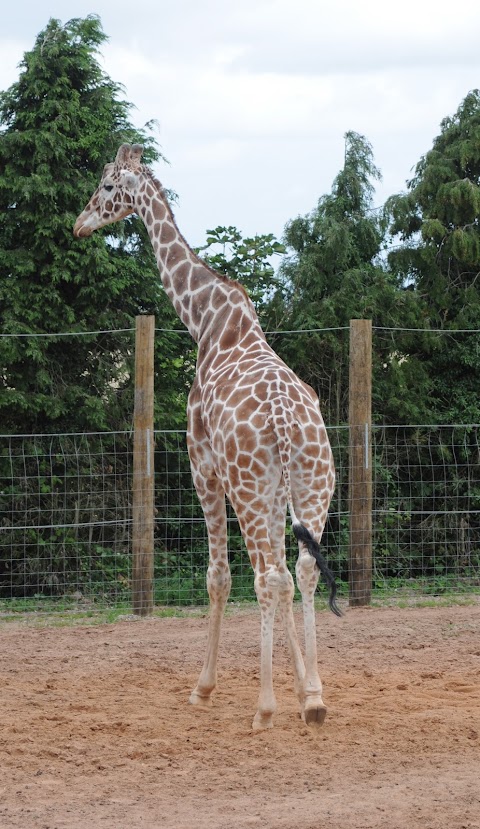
(314, 714)
(199, 701)
(262, 721)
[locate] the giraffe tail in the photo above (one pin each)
(282, 427)
(302, 534)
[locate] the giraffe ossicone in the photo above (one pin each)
(255, 435)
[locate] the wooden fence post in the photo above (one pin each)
(143, 468)
(360, 454)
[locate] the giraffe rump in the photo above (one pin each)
(282, 419)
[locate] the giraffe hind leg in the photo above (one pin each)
(313, 709)
(287, 591)
(269, 582)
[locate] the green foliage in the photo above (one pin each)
(60, 123)
(334, 272)
(249, 260)
(437, 222)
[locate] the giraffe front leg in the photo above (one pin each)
(218, 585)
(212, 499)
(285, 608)
(267, 590)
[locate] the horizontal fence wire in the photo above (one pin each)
(66, 518)
(451, 332)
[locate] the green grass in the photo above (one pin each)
(59, 618)
(186, 595)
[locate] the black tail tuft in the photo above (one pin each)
(302, 534)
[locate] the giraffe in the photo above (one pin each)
(255, 435)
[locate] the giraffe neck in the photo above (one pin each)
(199, 295)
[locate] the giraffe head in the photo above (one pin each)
(114, 197)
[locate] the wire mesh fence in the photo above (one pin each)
(66, 518)
(65, 515)
(426, 507)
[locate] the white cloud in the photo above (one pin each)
(253, 98)
(349, 36)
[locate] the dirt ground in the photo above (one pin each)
(96, 730)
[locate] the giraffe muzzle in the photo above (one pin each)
(82, 229)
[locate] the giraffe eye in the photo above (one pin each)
(108, 187)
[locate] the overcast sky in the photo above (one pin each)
(253, 97)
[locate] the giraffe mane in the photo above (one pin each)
(221, 276)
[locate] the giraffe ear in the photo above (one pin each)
(123, 154)
(136, 154)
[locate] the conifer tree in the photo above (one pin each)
(335, 272)
(438, 223)
(60, 123)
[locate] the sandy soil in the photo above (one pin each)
(96, 730)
